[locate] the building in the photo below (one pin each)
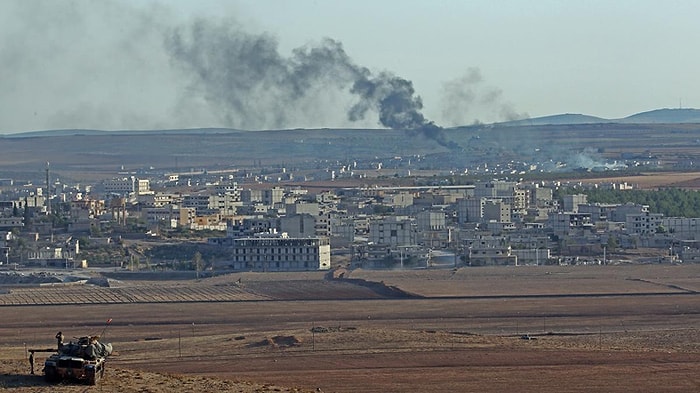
(393, 231)
(281, 253)
(127, 186)
(569, 223)
(298, 225)
(682, 228)
(644, 223)
(489, 251)
(272, 196)
(571, 202)
(598, 211)
(478, 210)
(432, 230)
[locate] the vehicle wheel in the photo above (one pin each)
(91, 378)
(50, 374)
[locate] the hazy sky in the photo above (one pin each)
(138, 64)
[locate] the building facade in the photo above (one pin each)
(281, 254)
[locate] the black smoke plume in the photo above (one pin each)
(252, 85)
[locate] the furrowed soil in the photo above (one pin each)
(526, 329)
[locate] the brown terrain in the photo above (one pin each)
(591, 328)
(653, 180)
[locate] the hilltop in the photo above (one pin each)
(656, 116)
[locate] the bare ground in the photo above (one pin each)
(608, 328)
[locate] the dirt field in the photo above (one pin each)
(654, 180)
(592, 328)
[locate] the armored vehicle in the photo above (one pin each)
(81, 361)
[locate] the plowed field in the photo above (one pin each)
(607, 328)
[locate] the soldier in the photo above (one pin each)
(31, 361)
(59, 340)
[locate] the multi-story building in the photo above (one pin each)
(478, 210)
(495, 189)
(568, 223)
(227, 188)
(199, 202)
(251, 196)
(643, 224)
(619, 214)
(123, 186)
(278, 254)
(682, 228)
(187, 216)
(225, 204)
(298, 225)
(156, 199)
(343, 228)
(398, 200)
(571, 202)
(272, 196)
(250, 226)
(127, 186)
(489, 250)
(598, 211)
(432, 230)
(393, 231)
(496, 210)
(469, 210)
(169, 215)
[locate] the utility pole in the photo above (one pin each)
(48, 191)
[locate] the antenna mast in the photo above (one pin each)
(48, 191)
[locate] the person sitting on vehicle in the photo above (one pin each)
(59, 340)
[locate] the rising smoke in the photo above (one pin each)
(238, 70)
(108, 65)
(469, 94)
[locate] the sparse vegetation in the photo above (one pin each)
(671, 202)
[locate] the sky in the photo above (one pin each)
(272, 64)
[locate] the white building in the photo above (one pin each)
(279, 254)
(127, 186)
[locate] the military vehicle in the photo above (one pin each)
(80, 361)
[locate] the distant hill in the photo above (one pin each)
(566, 118)
(86, 132)
(657, 116)
(678, 115)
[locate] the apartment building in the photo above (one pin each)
(482, 209)
(393, 231)
(644, 223)
(279, 254)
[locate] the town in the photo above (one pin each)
(262, 220)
